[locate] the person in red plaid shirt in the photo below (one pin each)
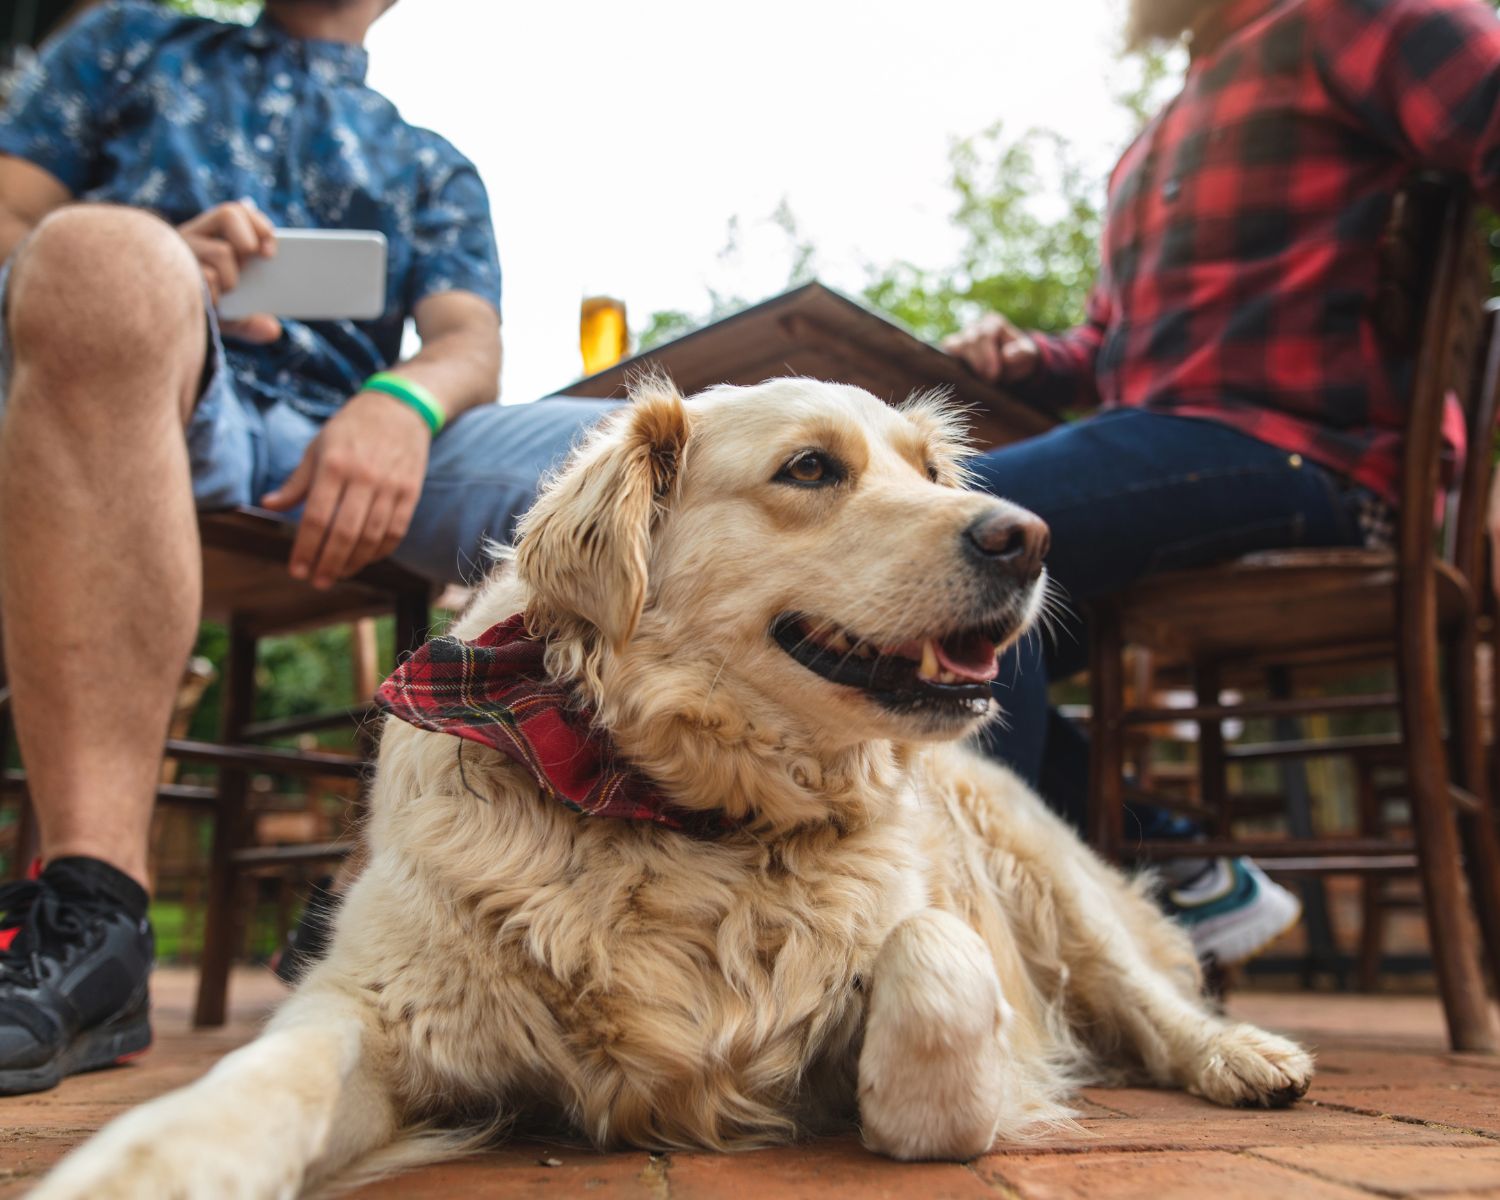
(1248, 403)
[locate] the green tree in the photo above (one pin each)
(1030, 213)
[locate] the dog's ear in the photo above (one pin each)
(585, 544)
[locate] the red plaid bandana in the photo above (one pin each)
(495, 691)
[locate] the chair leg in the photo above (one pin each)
(1371, 887)
(1479, 832)
(1213, 781)
(27, 841)
(222, 920)
(1481, 844)
(1454, 954)
(1106, 819)
(28, 838)
(1322, 945)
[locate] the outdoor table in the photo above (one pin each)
(814, 331)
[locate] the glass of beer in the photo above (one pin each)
(603, 335)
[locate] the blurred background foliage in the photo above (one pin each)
(1029, 214)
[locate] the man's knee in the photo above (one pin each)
(100, 284)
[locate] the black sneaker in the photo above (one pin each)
(73, 985)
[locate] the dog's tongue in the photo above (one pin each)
(970, 658)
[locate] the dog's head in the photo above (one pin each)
(797, 549)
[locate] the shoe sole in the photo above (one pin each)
(119, 1041)
(1238, 936)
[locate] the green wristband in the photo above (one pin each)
(413, 395)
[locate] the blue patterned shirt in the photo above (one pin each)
(137, 104)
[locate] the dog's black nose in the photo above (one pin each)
(1011, 537)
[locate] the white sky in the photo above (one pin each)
(618, 139)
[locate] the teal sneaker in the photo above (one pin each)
(1232, 911)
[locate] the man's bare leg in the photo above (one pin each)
(100, 582)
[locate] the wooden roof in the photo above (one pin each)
(816, 332)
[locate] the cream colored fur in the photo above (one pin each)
(900, 936)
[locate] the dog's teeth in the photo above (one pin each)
(947, 677)
(839, 642)
(929, 667)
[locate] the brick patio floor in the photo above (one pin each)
(1391, 1114)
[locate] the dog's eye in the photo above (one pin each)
(932, 474)
(810, 468)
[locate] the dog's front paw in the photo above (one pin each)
(1249, 1068)
(931, 1073)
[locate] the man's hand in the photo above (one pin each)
(361, 478)
(223, 239)
(994, 349)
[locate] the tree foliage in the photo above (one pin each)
(1029, 212)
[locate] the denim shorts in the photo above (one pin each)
(482, 474)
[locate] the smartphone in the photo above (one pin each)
(316, 275)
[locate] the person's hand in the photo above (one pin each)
(223, 239)
(360, 478)
(994, 349)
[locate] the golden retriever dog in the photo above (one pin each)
(783, 608)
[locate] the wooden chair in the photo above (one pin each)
(1417, 607)
(246, 586)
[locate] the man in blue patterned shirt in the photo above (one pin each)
(144, 160)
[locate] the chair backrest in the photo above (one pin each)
(1435, 256)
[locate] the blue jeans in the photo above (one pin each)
(1127, 493)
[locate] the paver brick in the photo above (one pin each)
(834, 1169)
(529, 1170)
(1169, 1176)
(1364, 1066)
(1241, 1129)
(1397, 1170)
(1455, 1105)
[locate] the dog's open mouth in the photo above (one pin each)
(952, 669)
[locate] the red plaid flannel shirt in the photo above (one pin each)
(1238, 264)
(495, 691)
